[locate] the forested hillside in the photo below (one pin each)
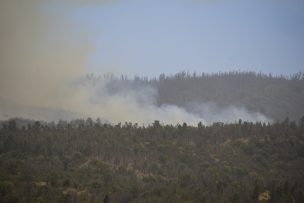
(276, 97)
(86, 161)
(151, 101)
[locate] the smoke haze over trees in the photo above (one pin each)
(70, 136)
(191, 98)
(45, 57)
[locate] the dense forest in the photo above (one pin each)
(89, 161)
(277, 97)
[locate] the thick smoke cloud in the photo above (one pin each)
(41, 55)
(43, 59)
(136, 103)
(126, 103)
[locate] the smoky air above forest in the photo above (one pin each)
(45, 58)
(115, 100)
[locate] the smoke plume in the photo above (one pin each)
(43, 59)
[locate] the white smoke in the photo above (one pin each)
(43, 56)
(133, 104)
(228, 114)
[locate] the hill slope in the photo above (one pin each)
(275, 97)
(93, 162)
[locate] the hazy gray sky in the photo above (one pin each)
(166, 36)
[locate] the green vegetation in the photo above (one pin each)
(277, 97)
(86, 161)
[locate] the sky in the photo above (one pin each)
(147, 38)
